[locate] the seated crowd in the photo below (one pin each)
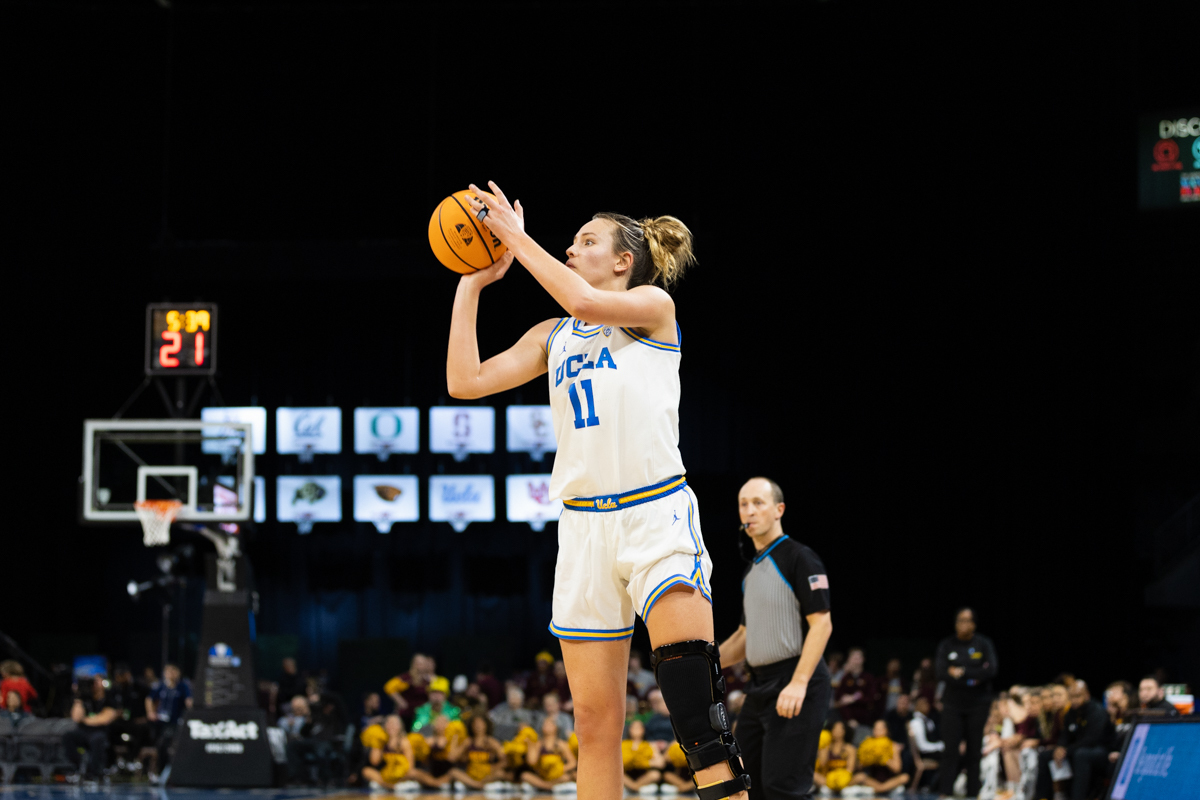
(1039, 742)
(423, 730)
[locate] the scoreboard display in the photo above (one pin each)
(1169, 159)
(181, 339)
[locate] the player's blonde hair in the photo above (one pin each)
(661, 247)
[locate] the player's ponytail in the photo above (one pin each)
(661, 248)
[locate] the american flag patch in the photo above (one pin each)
(818, 582)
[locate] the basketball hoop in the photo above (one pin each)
(156, 517)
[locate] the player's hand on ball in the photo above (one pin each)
(791, 699)
(502, 218)
(490, 274)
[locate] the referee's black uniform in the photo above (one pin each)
(785, 583)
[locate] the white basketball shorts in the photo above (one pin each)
(618, 554)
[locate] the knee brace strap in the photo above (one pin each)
(689, 676)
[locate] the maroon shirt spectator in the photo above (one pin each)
(857, 696)
(540, 681)
(489, 685)
(925, 682)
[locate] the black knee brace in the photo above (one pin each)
(689, 676)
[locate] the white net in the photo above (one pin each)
(156, 517)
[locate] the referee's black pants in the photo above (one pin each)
(962, 723)
(781, 754)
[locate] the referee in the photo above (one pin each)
(789, 692)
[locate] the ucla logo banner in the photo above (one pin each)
(462, 499)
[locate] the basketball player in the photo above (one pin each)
(629, 537)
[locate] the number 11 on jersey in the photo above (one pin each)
(573, 393)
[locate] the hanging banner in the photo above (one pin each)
(462, 499)
(530, 429)
(527, 499)
(384, 499)
(304, 431)
(305, 499)
(461, 430)
(383, 431)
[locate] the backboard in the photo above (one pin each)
(207, 465)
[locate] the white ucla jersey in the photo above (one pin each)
(614, 396)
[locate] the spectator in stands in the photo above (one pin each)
(14, 710)
(563, 686)
(643, 763)
(12, 679)
(1018, 750)
(552, 708)
(658, 725)
(879, 765)
(488, 684)
(1055, 705)
(1083, 744)
(897, 723)
(133, 728)
(893, 685)
(549, 760)
(640, 679)
(475, 701)
(542, 680)
(165, 704)
(511, 715)
(1152, 700)
(1118, 701)
(857, 696)
(837, 667)
(291, 683)
(439, 689)
(297, 716)
(408, 690)
(897, 719)
(92, 712)
(924, 730)
(924, 683)
(372, 714)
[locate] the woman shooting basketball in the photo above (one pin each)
(629, 537)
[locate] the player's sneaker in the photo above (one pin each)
(565, 788)
(649, 790)
(668, 789)
(407, 788)
(528, 788)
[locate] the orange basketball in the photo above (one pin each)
(461, 242)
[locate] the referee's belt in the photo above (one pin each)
(634, 497)
(768, 672)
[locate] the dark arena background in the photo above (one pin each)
(947, 295)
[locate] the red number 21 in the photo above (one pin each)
(167, 351)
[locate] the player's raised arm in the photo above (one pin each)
(621, 292)
(466, 377)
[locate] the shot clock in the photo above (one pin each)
(181, 338)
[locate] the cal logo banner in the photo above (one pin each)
(462, 499)
(304, 431)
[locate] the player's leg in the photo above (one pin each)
(680, 622)
(597, 673)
